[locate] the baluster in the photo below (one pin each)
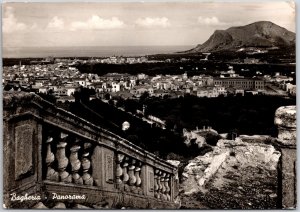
(167, 181)
(75, 163)
(51, 173)
(125, 174)
(156, 187)
(159, 185)
(163, 189)
(63, 160)
(132, 178)
(86, 165)
(119, 171)
(137, 172)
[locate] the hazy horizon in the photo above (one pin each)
(133, 23)
(92, 46)
(90, 51)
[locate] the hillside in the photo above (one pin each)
(263, 34)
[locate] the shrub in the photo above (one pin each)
(212, 139)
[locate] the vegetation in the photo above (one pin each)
(154, 139)
(243, 115)
(194, 67)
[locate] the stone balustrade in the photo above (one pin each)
(162, 185)
(51, 151)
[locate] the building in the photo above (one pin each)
(251, 60)
(115, 86)
(139, 90)
(81, 82)
(244, 83)
(209, 92)
(221, 90)
(205, 81)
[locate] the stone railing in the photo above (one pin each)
(50, 153)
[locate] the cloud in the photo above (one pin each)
(153, 22)
(96, 22)
(56, 23)
(34, 27)
(215, 22)
(10, 22)
(210, 21)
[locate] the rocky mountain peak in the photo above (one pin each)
(263, 34)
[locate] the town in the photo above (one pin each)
(61, 79)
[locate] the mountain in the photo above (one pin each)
(263, 34)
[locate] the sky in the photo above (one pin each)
(133, 23)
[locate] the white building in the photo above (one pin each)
(115, 87)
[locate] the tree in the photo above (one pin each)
(144, 96)
(166, 96)
(111, 102)
(83, 94)
(130, 105)
(48, 97)
(107, 96)
(120, 102)
(212, 139)
(50, 92)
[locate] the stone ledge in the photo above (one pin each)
(97, 194)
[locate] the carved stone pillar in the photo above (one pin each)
(163, 189)
(168, 188)
(75, 163)
(285, 119)
(119, 171)
(137, 174)
(51, 173)
(86, 165)
(156, 187)
(63, 160)
(159, 184)
(125, 174)
(132, 178)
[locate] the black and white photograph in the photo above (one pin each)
(149, 105)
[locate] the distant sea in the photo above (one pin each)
(88, 51)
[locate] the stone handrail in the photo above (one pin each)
(50, 151)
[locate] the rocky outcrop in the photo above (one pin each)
(193, 138)
(201, 169)
(259, 34)
(252, 154)
(227, 154)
